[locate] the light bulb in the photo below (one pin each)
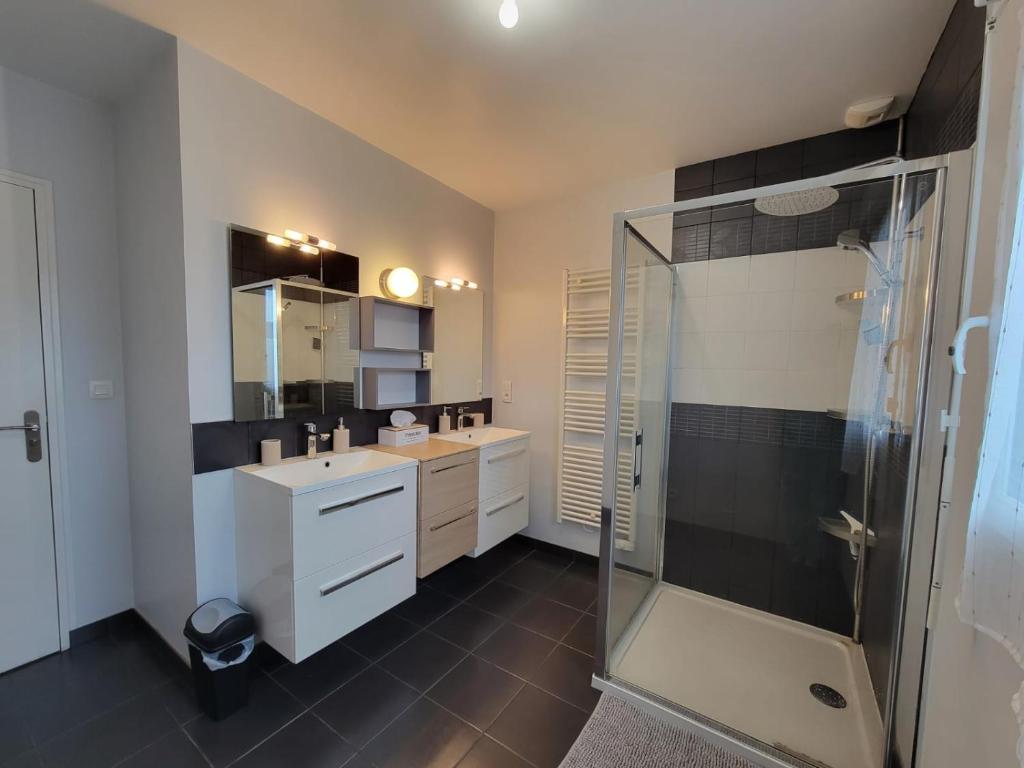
(458, 281)
(295, 235)
(441, 283)
(508, 14)
(277, 240)
(400, 282)
(327, 244)
(310, 249)
(456, 287)
(472, 285)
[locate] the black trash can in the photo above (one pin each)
(220, 638)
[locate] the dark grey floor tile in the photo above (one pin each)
(426, 605)
(380, 636)
(268, 659)
(423, 660)
(516, 649)
(361, 708)
(269, 708)
(322, 673)
(466, 625)
(172, 751)
(583, 635)
(499, 598)
(476, 691)
(111, 737)
(592, 609)
(539, 727)
(566, 674)
(530, 575)
(179, 698)
(30, 759)
(488, 753)
(584, 569)
(573, 591)
(303, 743)
(425, 736)
(547, 617)
(359, 761)
(459, 579)
(496, 561)
(551, 558)
(14, 736)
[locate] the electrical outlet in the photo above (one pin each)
(506, 391)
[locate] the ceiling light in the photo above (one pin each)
(307, 248)
(277, 240)
(508, 14)
(399, 283)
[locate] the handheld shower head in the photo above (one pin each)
(850, 240)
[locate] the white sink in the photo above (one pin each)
(483, 436)
(302, 475)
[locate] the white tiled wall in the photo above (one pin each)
(765, 330)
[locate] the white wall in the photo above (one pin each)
(765, 330)
(51, 134)
(532, 246)
(152, 279)
(251, 157)
(970, 679)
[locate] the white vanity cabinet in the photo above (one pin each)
(318, 559)
(504, 491)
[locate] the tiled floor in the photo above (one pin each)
(488, 666)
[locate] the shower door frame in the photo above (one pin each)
(944, 281)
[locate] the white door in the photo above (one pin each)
(28, 580)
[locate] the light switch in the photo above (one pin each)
(101, 390)
(506, 391)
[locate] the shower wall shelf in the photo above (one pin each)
(856, 297)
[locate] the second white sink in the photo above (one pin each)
(301, 474)
(482, 436)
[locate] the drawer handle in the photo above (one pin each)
(361, 500)
(506, 505)
(460, 517)
(503, 456)
(344, 581)
(435, 470)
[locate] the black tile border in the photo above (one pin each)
(218, 445)
(771, 426)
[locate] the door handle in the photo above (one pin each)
(33, 435)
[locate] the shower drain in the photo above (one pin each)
(828, 695)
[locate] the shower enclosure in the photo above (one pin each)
(779, 414)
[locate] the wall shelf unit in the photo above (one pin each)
(391, 337)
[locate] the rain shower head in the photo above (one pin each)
(797, 203)
(850, 240)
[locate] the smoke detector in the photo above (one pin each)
(867, 113)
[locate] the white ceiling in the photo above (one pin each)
(580, 92)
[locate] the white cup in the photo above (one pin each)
(270, 452)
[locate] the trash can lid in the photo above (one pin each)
(217, 624)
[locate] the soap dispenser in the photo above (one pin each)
(340, 443)
(444, 421)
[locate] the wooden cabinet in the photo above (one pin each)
(449, 482)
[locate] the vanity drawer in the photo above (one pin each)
(504, 467)
(445, 537)
(334, 524)
(448, 482)
(333, 602)
(502, 516)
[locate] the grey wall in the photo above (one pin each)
(152, 279)
(48, 133)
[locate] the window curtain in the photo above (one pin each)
(992, 586)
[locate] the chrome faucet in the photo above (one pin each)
(460, 423)
(312, 438)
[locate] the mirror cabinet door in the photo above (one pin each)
(457, 360)
(256, 346)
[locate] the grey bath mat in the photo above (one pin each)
(618, 735)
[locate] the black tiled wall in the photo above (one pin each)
(738, 230)
(943, 117)
(225, 444)
(746, 488)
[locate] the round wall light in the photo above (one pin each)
(508, 14)
(399, 283)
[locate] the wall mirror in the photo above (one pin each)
(290, 328)
(457, 360)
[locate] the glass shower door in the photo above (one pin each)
(638, 405)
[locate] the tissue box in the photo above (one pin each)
(414, 433)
